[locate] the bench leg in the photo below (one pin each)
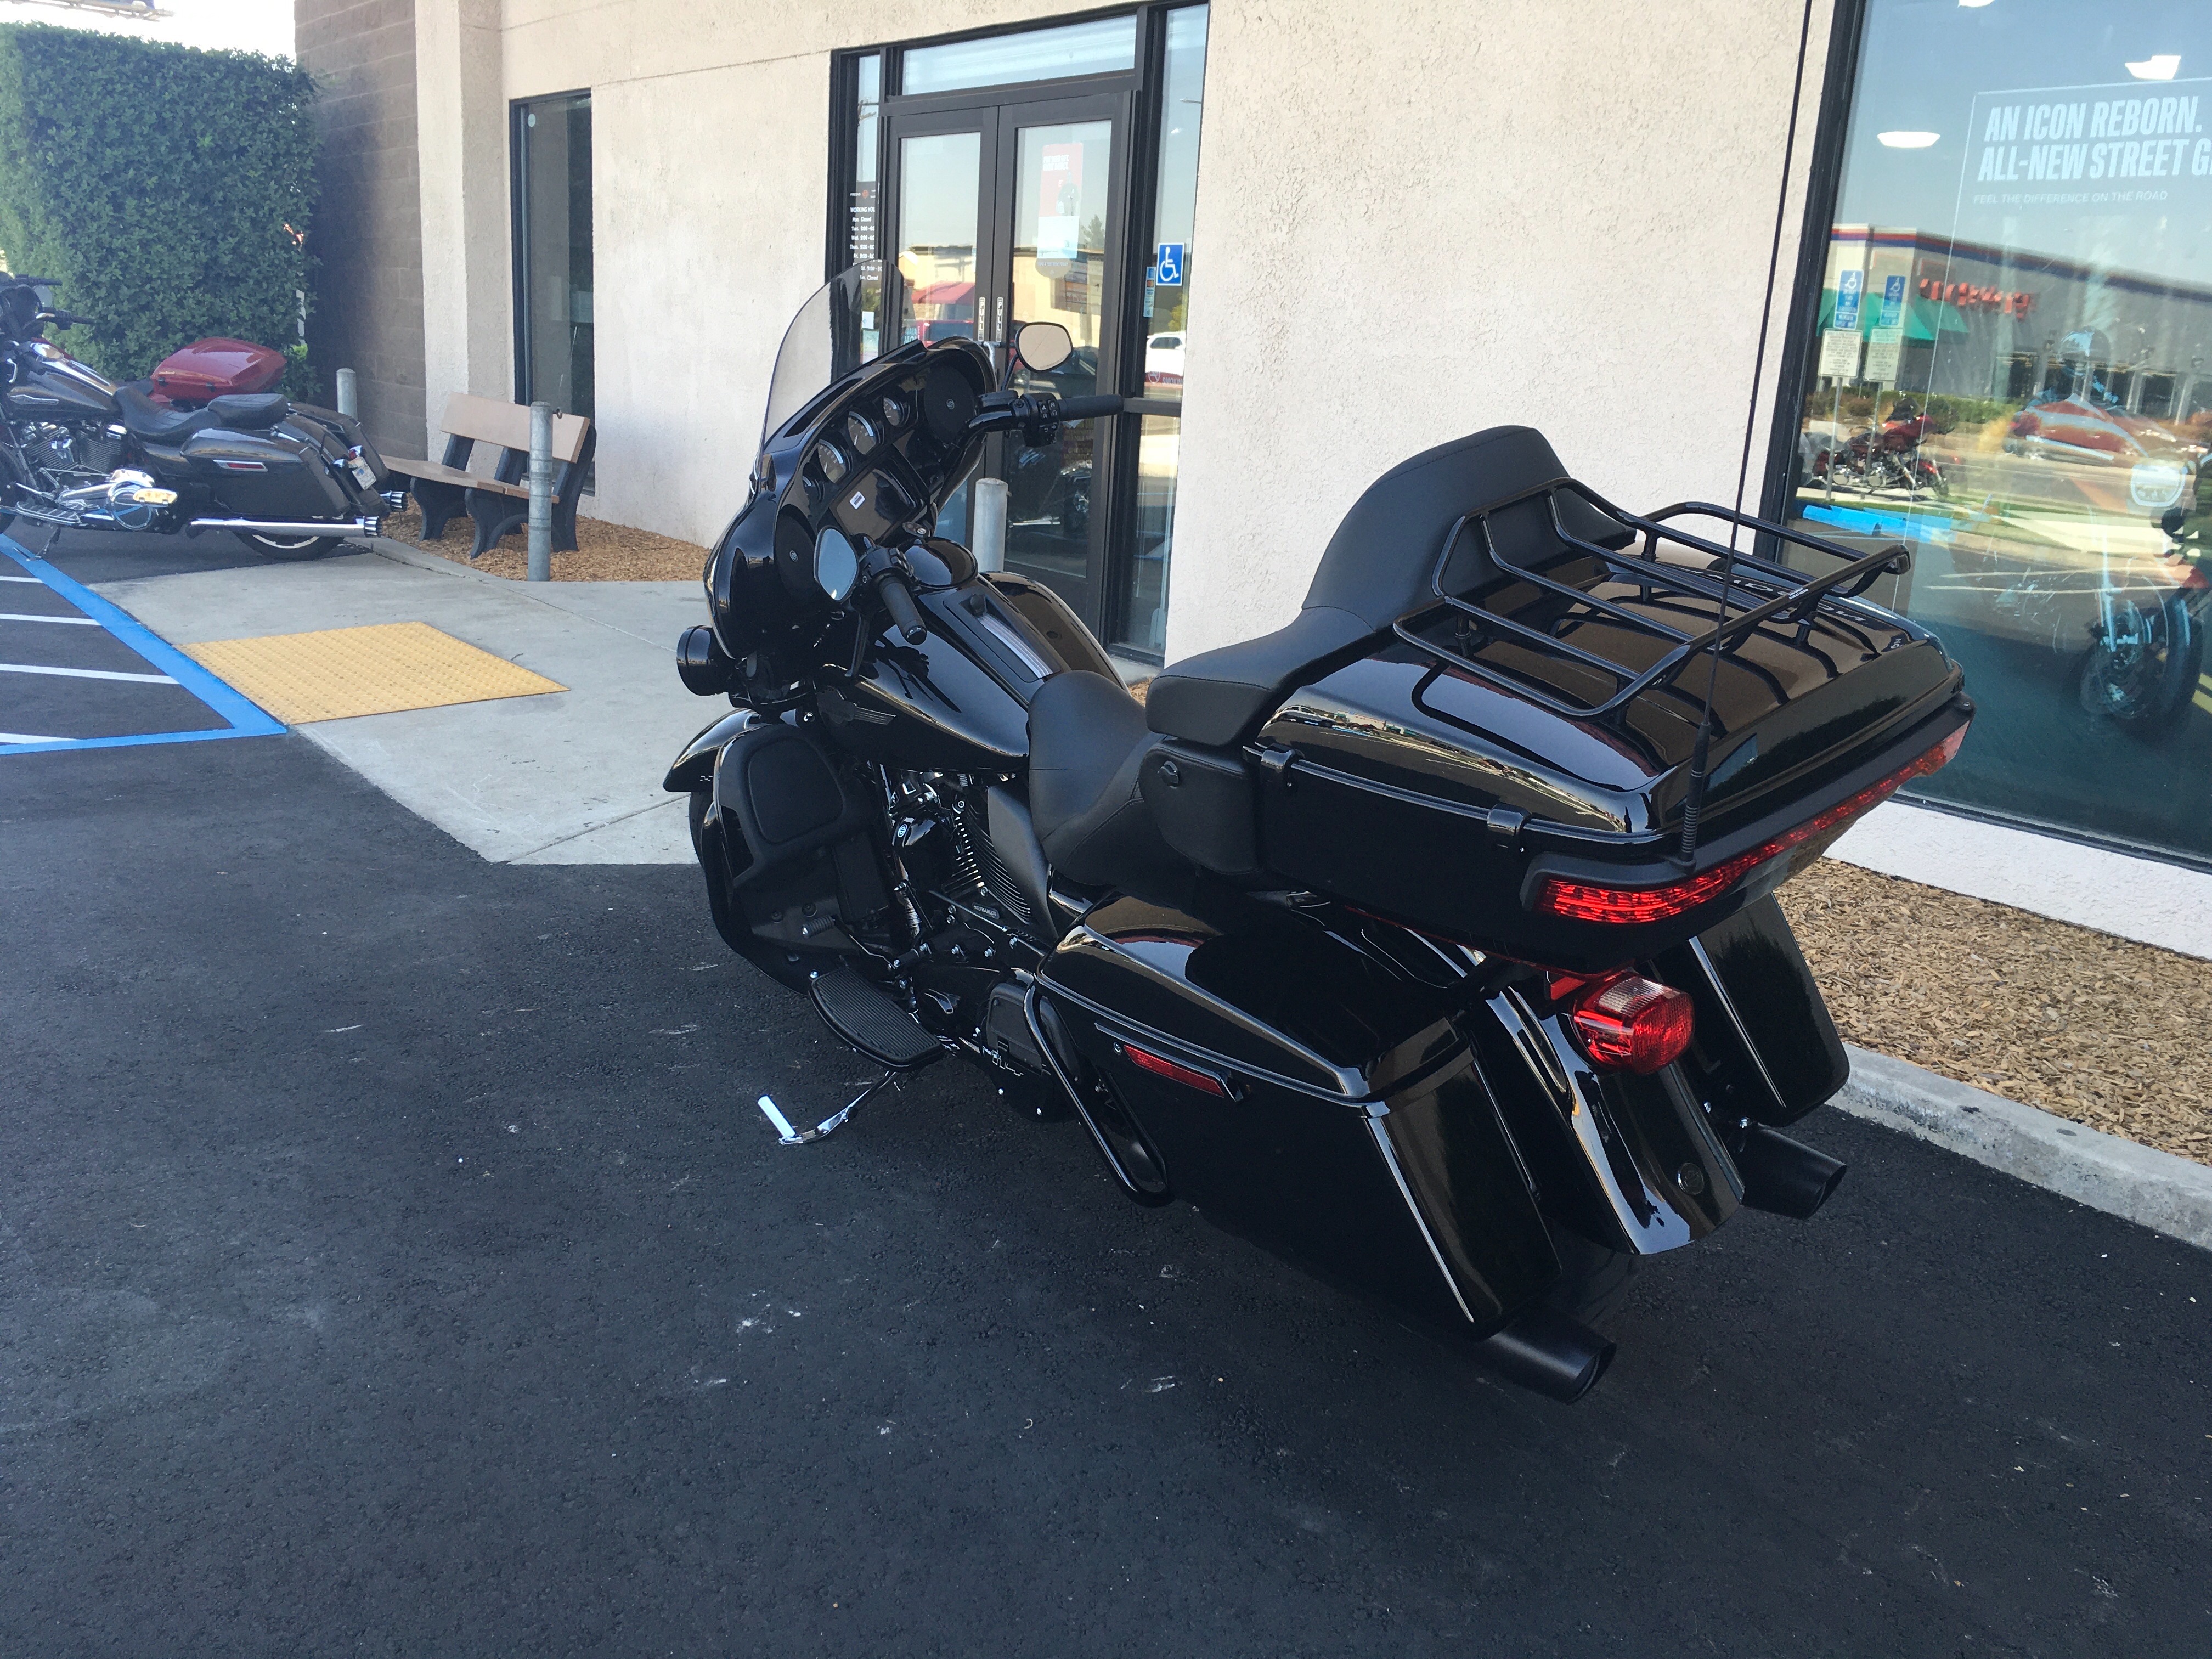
(495, 516)
(440, 501)
(564, 523)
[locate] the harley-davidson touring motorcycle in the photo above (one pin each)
(1429, 941)
(79, 452)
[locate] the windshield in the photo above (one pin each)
(831, 336)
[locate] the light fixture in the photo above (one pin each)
(1973, 2)
(1908, 140)
(2161, 67)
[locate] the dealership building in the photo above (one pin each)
(1937, 271)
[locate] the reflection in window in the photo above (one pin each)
(553, 207)
(940, 206)
(2013, 371)
(1105, 47)
(1141, 626)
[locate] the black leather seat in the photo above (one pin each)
(159, 423)
(1380, 566)
(1087, 741)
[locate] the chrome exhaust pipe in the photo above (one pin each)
(287, 527)
(1554, 1354)
(1784, 1176)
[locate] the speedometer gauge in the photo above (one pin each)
(830, 462)
(862, 434)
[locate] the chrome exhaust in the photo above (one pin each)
(363, 527)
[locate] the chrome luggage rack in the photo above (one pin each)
(1776, 592)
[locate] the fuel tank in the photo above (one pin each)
(959, 701)
(59, 388)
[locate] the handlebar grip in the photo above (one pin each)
(898, 601)
(1083, 409)
(69, 319)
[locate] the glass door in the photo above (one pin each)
(1006, 213)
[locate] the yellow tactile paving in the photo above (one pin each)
(339, 672)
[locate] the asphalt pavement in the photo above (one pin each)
(391, 1262)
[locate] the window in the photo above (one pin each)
(2008, 365)
(553, 251)
(1030, 175)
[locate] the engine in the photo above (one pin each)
(69, 455)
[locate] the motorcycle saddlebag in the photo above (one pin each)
(278, 473)
(1299, 1076)
(207, 369)
(1511, 766)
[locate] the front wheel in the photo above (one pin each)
(290, 547)
(2141, 671)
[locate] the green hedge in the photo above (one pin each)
(168, 190)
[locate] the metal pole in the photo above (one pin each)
(348, 396)
(541, 492)
(990, 530)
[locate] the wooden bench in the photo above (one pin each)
(498, 500)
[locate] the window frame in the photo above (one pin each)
(518, 215)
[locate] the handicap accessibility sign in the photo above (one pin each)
(1892, 301)
(1848, 286)
(1169, 269)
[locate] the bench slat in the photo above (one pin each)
(437, 474)
(487, 420)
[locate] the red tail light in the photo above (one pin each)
(1160, 1066)
(1630, 1024)
(1585, 902)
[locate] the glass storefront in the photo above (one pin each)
(1033, 175)
(2011, 370)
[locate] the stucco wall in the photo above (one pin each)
(1419, 220)
(1450, 216)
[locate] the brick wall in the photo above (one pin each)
(368, 233)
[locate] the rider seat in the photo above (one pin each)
(159, 423)
(1089, 738)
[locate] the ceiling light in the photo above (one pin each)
(2161, 67)
(1973, 2)
(1908, 140)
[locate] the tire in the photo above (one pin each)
(2148, 682)
(290, 547)
(1594, 1280)
(6, 519)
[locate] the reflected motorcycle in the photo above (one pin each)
(78, 452)
(1429, 941)
(1885, 458)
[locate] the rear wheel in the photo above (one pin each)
(2142, 671)
(291, 547)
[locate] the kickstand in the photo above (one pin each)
(828, 1126)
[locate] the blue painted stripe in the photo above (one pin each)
(245, 718)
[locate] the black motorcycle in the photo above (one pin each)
(79, 452)
(1429, 941)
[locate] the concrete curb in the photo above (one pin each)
(2168, 1194)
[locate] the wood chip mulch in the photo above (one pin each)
(2105, 1031)
(604, 552)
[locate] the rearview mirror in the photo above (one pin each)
(836, 566)
(1042, 347)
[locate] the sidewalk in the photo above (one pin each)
(571, 777)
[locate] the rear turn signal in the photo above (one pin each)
(1160, 1066)
(1630, 1024)
(1586, 902)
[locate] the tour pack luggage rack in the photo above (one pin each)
(1791, 597)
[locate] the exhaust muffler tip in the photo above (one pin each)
(1784, 1176)
(1552, 1354)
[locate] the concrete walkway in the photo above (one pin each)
(568, 778)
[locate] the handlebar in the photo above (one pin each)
(67, 319)
(1084, 409)
(898, 602)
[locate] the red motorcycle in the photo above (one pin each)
(1887, 457)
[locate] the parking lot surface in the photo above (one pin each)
(391, 1262)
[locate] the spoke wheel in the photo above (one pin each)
(290, 547)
